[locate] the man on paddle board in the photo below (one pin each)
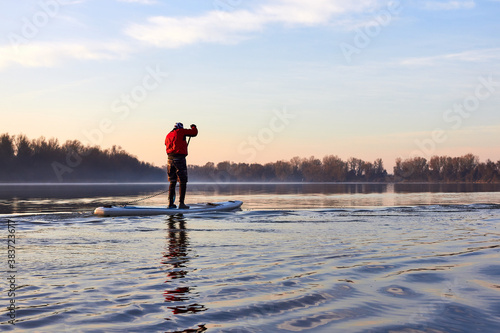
(177, 150)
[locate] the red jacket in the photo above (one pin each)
(176, 140)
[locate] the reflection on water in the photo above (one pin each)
(85, 197)
(178, 294)
(291, 188)
(36, 198)
(445, 187)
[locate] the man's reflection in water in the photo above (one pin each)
(176, 259)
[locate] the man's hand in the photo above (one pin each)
(193, 126)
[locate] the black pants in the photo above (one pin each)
(177, 171)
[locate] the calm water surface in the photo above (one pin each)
(296, 258)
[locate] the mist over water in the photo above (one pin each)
(296, 258)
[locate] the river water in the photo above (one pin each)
(295, 258)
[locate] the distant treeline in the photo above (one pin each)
(329, 169)
(42, 160)
(447, 169)
(333, 169)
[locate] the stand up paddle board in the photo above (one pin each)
(164, 210)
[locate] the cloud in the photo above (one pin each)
(448, 5)
(308, 12)
(217, 27)
(233, 26)
(475, 56)
(45, 54)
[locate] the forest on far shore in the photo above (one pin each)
(42, 160)
(331, 168)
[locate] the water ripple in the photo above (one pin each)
(410, 269)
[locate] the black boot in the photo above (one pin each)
(171, 195)
(182, 196)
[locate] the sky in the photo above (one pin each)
(263, 80)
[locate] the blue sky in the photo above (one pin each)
(264, 80)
